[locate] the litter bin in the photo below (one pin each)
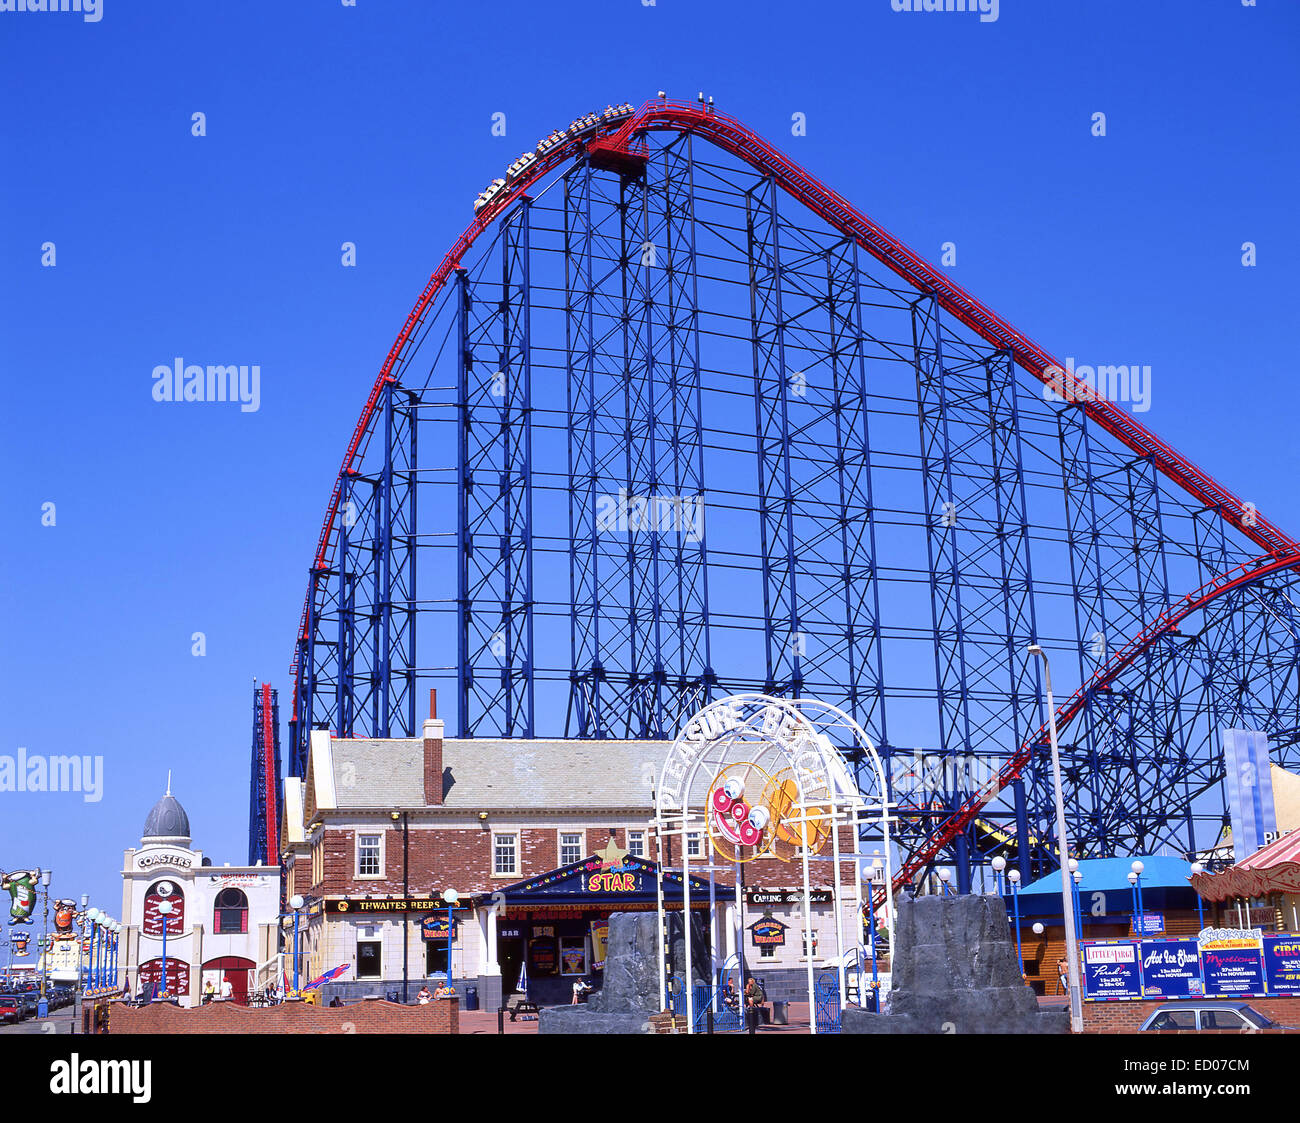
(780, 1013)
(471, 998)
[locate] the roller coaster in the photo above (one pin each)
(672, 419)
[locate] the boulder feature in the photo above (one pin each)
(955, 971)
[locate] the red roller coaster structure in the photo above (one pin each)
(620, 144)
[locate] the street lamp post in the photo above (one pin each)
(1200, 904)
(1071, 936)
(1077, 875)
(1137, 869)
(944, 876)
(296, 902)
(43, 1007)
(164, 910)
(1014, 878)
(999, 864)
(450, 896)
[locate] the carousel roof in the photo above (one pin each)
(1274, 868)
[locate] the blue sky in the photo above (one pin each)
(372, 124)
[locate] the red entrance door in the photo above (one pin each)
(237, 971)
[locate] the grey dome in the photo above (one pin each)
(167, 819)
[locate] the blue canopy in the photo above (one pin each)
(1165, 885)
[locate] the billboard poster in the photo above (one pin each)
(1232, 962)
(1111, 971)
(1171, 969)
(599, 944)
(1248, 783)
(1282, 964)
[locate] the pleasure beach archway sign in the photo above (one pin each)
(763, 777)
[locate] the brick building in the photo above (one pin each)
(525, 832)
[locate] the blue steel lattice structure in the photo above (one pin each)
(692, 435)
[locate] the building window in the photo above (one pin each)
(505, 855)
(803, 939)
(368, 958)
(693, 847)
(318, 861)
(435, 957)
(767, 951)
(230, 913)
(636, 843)
(570, 847)
(370, 855)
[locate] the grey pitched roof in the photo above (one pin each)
(534, 774)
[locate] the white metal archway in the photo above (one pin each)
(752, 776)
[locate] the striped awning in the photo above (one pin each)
(1274, 868)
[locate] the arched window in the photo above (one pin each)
(230, 912)
(172, 916)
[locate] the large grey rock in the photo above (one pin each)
(630, 991)
(955, 971)
(580, 1019)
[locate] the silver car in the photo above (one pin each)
(1194, 1015)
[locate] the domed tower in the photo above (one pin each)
(167, 821)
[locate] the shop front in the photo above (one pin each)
(551, 931)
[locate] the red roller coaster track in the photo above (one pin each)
(734, 137)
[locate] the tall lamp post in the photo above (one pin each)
(1197, 868)
(1077, 875)
(1014, 878)
(296, 902)
(450, 897)
(165, 909)
(43, 1007)
(999, 864)
(1137, 868)
(1063, 841)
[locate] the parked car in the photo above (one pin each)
(11, 1008)
(1238, 1016)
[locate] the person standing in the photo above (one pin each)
(1063, 975)
(425, 995)
(227, 989)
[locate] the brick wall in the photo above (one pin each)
(1127, 1017)
(438, 1017)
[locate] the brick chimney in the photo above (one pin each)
(433, 753)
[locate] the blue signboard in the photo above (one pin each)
(1147, 924)
(1232, 962)
(1171, 969)
(1111, 971)
(1282, 964)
